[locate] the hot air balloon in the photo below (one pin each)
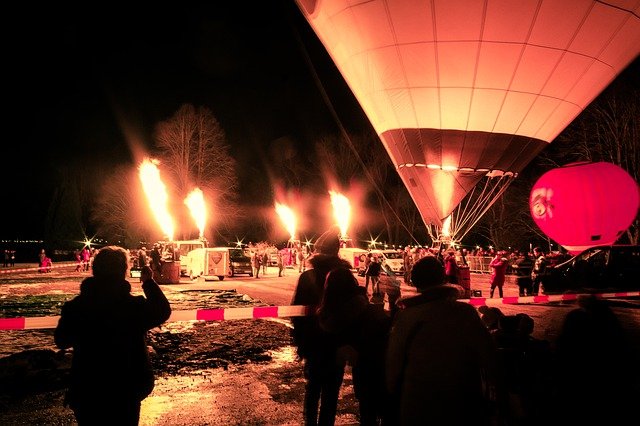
(585, 204)
(464, 91)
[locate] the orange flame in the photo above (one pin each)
(288, 218)
(198, 209)
(341, 211)
(157, 196)
(446, 227)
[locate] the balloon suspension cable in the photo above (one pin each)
(467, 214)
(476, 204)
(343, 131)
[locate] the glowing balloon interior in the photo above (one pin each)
(584, 205)
(457, 89)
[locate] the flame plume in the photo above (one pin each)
(157, 196)
(288, 218)
(198, 209)
(341, 211)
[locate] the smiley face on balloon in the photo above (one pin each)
(541, 206)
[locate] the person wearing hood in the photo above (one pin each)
(323, 370)
(106, 326)
(441, 358)
(360, 326)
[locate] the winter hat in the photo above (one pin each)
(329, 242)
(427, 272)
(111, 262)
(490, 316)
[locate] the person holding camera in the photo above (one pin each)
(106, 326)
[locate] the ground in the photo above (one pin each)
(241, 372)
(216, 373)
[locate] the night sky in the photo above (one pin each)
(78, 85)
(78, 88)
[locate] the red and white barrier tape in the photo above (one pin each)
(258, 312)
(522, 300)
(32, 323)
(43, 269)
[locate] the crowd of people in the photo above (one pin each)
(428, 359)
(432, 359)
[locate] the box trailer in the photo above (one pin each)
(208, 263)
(355, 256)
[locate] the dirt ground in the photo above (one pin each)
(241, 372)
(217, 373)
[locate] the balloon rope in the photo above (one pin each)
(344, 132)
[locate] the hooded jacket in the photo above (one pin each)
(439, 351)
(307, 334)
(106, 326)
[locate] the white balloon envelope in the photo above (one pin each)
(458, 89)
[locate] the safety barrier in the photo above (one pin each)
(261, 312)
(479, 264)
(39, 268)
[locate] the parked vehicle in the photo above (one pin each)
(239, 262)
(182, 249)
(355, 256)
(208, 263)
(598, 269)
(393, 258)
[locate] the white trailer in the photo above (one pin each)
(208, 263)
(355, 256)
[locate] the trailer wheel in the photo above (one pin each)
(221, 277)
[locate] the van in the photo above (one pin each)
(182, 249)
(613, 268)
(208, 262)
(355, 256)
(393, 259)
(239, 262)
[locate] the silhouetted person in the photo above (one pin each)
(490, 316)
(390, 285)
(524, 366)
(498, 267)
(439, 352)
(156, 259)
(106, 326)
(142, 257)
(323, 370)
(280, 265)
(346, 313)
(523, 266)
(596, 373)
(451, 267)
(372, 274)
(86, 257)
(538, 270)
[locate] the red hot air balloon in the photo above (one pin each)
(585, 204)
(459, 90)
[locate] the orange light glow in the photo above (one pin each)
(341, 211)
(157, 196)
(288, 218)
(443, 186)
(446, 227)
(198, 209)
